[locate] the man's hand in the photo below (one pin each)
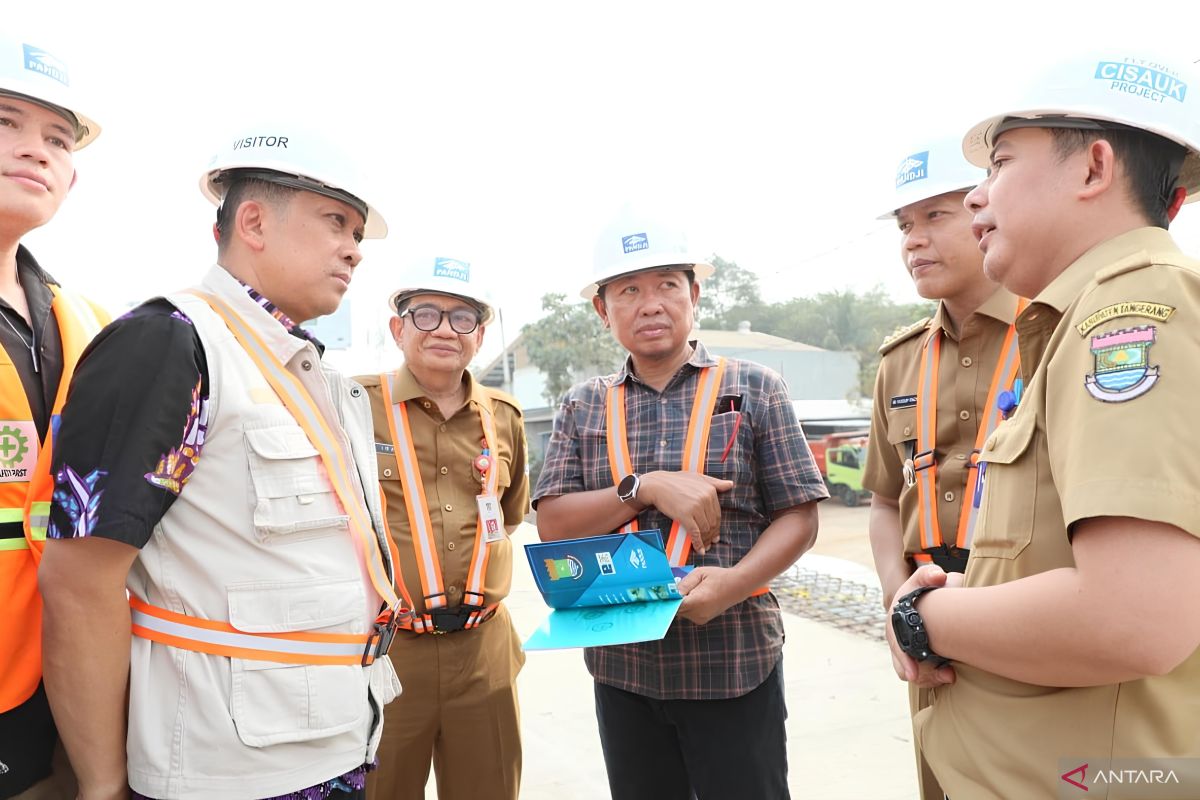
(708, 592)
(920, 673)
(689, 498)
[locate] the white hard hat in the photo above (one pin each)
(1152, 94)
(931, 170)
(29, 72)
(633, 243)
(291, 156)
(448, 276)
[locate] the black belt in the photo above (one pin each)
(453, 620)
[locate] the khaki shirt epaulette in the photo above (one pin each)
(504, 397)
(904, 333)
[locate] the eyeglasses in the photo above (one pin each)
(429, 318)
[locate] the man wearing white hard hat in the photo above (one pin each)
(43, 331)
(940, 387)
(452, 468)
(216, 539)
(709, 451)
(1068, 659)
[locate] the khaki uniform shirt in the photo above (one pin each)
(446, 452)
(965, 371)
(1094, 436)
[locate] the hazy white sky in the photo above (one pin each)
(505, 133)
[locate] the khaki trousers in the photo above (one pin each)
(930, 789)
(459, 709)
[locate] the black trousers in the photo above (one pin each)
(732, 749)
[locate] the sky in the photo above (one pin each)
(507, 133)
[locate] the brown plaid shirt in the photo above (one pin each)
(772, 469)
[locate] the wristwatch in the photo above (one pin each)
(627, 489)
(910, 628)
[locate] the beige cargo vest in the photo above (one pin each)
(257, 539)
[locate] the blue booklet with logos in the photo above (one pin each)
(604, 590)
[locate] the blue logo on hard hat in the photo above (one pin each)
(913, 168)
(634, 242)
(39, 61)
(1142, 80)
(451, 268)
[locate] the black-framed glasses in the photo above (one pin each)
(429, 318)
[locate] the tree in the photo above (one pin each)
(568, 343)
(725, 293)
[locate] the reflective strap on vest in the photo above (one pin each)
(221, 639)
(338, 463)
(924, 461)
(421, 525)
(695, 446)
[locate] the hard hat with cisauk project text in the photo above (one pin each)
(1110, 89)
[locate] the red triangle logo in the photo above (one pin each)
(1081, 771)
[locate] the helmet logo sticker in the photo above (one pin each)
(913, 168)
(39, 61)
(1150, 81)
(634, 242)
(451, 268)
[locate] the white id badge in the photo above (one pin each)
(489, 515)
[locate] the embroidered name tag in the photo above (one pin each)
(386, 449)
(904, 401)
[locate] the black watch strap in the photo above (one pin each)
(909, 627)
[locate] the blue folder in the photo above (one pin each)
(604, 590)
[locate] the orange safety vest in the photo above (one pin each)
(220, 638)
(421, 525)
(26, 487)
(921, 468)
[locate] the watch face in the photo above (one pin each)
(627, 486)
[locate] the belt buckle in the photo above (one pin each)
(448, 620)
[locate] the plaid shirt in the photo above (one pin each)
(772, 469)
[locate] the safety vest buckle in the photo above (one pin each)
(451, 620)
(948, 557)
(380, 641)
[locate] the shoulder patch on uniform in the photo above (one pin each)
(1122, 369)
(903, 333)
(1130, 308)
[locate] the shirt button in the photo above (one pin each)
(662, 443)
(949, 497)
(443, 470)
(387, 473)
(425, 404)
(306, 365)
(451, 546)
(907, 430)
(966, 362)
(964, 414)
(663, 401)
(442, 428)
(452, 590)
(961, 456)
(449, 507)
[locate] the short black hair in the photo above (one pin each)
(241, 190)
(686, 269)
(1152, 164)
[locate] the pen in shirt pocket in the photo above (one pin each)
(726, 404)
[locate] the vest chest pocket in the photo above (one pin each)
(1010, 488)
(272, 702)
(293, 497)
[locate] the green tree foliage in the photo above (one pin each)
(568, 344)
(725, 293)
